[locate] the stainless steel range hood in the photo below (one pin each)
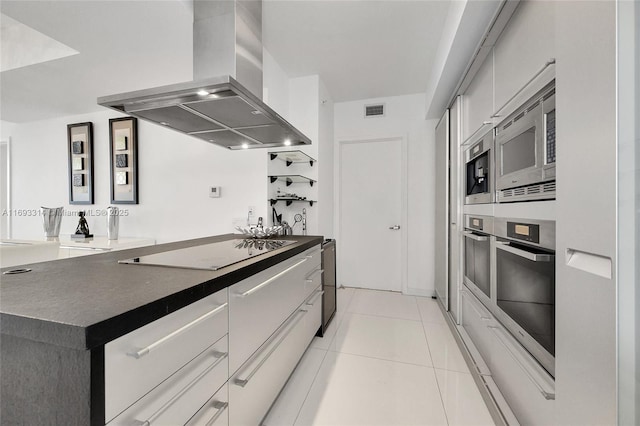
(218, 106)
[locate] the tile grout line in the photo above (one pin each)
(315, 376)
(424, 330)
(326, 351)
(337, 324)
(381, 316)
(382, 359)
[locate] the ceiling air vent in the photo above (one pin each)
(374, 110)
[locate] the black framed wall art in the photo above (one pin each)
(80, 153)
(123, 150)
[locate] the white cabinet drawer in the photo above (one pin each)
(476, 321)
(178, 398)
(261, 303)
(257, 383)
(313, 318)
(137, 362)
(312, 280)
(215, 411)
(527, 388)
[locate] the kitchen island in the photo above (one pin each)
(61, 321)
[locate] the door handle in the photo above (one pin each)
(394, 227)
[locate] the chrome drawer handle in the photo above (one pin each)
(502, 339)
(474, 236)
(144, 351)
(534, 257)
(220, 357)
(272, 279)
(285, 330)
(309, 277)
(221, 406)
(314, 298)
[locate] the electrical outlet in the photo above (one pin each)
(252, 210)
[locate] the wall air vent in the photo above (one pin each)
(374, 110)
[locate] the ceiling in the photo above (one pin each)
(360, 48)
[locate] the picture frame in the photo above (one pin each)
(80, 155)
(123, 153)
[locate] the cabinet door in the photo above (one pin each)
(138, 361)
(522, 381)
(215, 411)
(442, 210)
(478, 98)
(587, 218)
(261, 303)
(523, 48)
(257, 383)
(455, 209)
(475, 320)
(178, 398)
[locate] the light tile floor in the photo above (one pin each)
(386, 359)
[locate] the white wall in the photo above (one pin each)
(275, 82)
(175, 172)
(325, 163)
(404, 117)
(311, 116)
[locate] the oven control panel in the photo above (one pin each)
(524, 231)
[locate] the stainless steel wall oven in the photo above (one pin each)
(479, 174)
(524, 254)
(526, 150)
(477, 256)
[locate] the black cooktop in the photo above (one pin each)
(210, 257)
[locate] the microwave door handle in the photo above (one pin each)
(475, 236)
(534, 257)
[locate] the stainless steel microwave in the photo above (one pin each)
(526, 150)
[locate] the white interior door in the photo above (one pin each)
(371, 214)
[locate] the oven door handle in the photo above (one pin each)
(534, 257)
(475, 237)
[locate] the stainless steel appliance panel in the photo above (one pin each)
(477, 256)
(479, 171)
(525, 150)
(524, 253)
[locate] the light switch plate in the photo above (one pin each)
(214, 191)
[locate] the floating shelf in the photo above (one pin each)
(290, 200)
(289, 179)
(291, 157)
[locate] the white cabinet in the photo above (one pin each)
(184, 393)
(258, 382)
(525, 385)
(455, 206)
(273, 317)
(523, 48)
(215, 412)
(141, 360)
(261, 303)
(176, 369)
(478, 102)
(586, 225)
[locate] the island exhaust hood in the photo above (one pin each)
(226, 110)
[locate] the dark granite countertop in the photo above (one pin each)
(84, 302)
